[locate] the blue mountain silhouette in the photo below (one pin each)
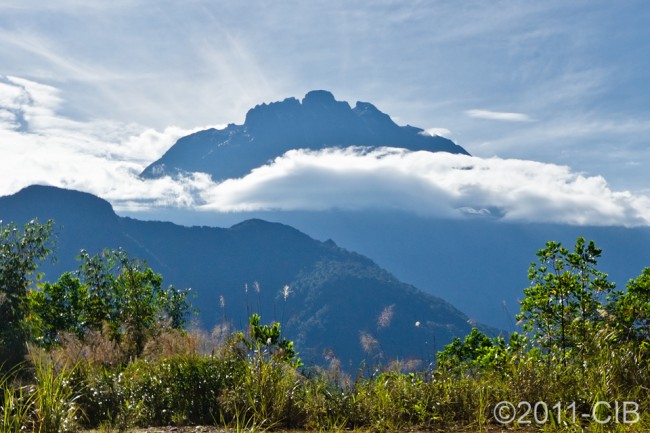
(318, 121)
(335, 294)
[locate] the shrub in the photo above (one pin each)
(177, 390)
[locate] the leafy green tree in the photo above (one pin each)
(631, 310)
(113, 291)
(128, 295)
(20, 252)
(477, 352)
(101, 306)
(141, 301)
(460, 352)
(563, 303)
(266, 341)
(58, 307)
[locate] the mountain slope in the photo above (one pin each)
(337, 296)
(479, 264)
(316, 122)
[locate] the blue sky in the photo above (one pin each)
(99, 88)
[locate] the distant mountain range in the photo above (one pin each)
(317, 122)
(477, 263)
(337, 296)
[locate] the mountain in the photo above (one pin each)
(478, 264)
(337, 296)
(318, 121)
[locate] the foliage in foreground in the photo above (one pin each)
(20, 252)
(108, 350)
(244, 391)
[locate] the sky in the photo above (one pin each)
(550, 98)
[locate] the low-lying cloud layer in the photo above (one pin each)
(438, 184)
(38, 145)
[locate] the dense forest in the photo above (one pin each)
(108, 346)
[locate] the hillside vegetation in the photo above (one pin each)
(233, 272)
(107, 346)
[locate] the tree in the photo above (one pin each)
(563, 303)
(631, 310)
(112, 292)
(143, 306)
(98, 274)
(462, 352)
(58, 307)
(127, 295)
(20, 252)
(266, 342)
(477, 352)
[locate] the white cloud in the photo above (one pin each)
(437, 184)
(163, 63)
(498, 115)
(38, 145)
(100, 157)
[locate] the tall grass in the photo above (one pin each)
(55, 407)
(263, 395)
(180, 390)
(16, 403)
(46, 404)
(247, 390)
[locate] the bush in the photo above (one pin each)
(179, 390)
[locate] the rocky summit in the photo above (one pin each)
(317, 122)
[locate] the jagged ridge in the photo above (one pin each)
(318, 121)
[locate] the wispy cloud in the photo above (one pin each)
(38, 145)
(526, 68)
(498, 115)
(67, 5)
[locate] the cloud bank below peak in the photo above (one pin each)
(434, 184)
(38, 145)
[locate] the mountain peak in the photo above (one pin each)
(32, 200)
(361, 107)
(320, 97)
(318, 121)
